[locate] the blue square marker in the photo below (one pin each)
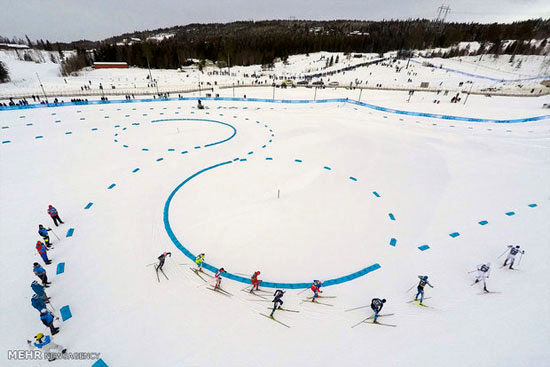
(393, 242)
(423, 247)
(65, 312)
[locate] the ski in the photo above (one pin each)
(380, 323)
(272, 318)
(282, 309)
(197, 273)
(322, 297)
(356, 308)
(157, 271)
(370, 317)
(257, 295)
(414, 300)
(219, 291)
(162, 271)
(317, 303)
(490, 292)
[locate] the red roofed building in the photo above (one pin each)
(110, 65)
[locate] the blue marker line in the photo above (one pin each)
(159, 159)
(89, 205)
(65, 312)
(184, 152)
(241, 279)
(68, 133)
(269, 159)
(38, 137)
(111, 186)
(6, 141)
(70, 232)
(483, 222)
(376, 194)
(532, 205)
(454, 234)
(327, 168)
(60, 268)
(423, 247)
(135, 170)
(100, 363)
(298, 160)
(510, 213)
(145, 149)
(393, 242)
(352, 178)
(392, 217)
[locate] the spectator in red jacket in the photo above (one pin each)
(55, 216)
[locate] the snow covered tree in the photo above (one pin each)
(4, 75)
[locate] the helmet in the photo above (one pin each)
(43, 311)
(384, 300)
(39, 336)
(36, 264)
(40, 226)
(164, 253)
(517, 246)
(49, 206)
(425, 277)
(258, 272)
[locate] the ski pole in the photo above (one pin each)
(410, 288)
(472, 271)
(502, 254)
(303, 290)
(520, 257)
(55, 235)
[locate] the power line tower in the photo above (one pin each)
(442, 13)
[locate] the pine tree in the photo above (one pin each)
(4, 75)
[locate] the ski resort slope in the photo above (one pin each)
(313, 191)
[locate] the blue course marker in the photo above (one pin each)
(38, 137)
(352, 178)
(100, 363)
(532, 205)
(376, 194)
(327, 168)
(60, 268)
(145, 149)
(510, 213)
(392, 217)
(159, 159)
(263, 146)
(111, 186)
(298, 160)
(184, 152)
(393, 242)
(186, 252)
(94, 129)
(82, 119)
(65, 312)
(134, 171)
(242, 159)
(483, 222)
(125, 146)
(70, 232)
(6, 141)
(68, 133)
(423, 247)
(249, 153)
(171, 149)
(268, 159)
(454, 234)
(198, 147)
(89, 205)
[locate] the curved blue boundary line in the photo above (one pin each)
(479, 76)
(207, 120)
(292, 101)
(186, 252)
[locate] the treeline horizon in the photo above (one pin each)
(261, 42)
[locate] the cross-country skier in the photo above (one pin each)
(38, 303)
(45, 343)
(423, 282)
(218, 277)
(44, 233)
(41, 248)
(277, 301)
(514, 250)
(483, 271)
(376, 305)
(161, 258)
(54, 214)
(40, 292)
(199, 260)
(315, 287)
(47, 319)
(255, 281)
(41, 273)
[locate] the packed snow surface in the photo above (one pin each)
(310, 193)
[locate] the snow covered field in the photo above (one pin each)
(340, 170)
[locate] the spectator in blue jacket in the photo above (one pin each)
(40, 292)
(41, 273)
(38, 303)
(45, 343)
(47, 319)
(42, 231)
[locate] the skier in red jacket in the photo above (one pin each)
(54, 214)
(255, 281)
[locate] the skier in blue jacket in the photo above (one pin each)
(45, 343)
(38, 303)
(47, 319)
(42, 231)
(39, 291)
(420, 288)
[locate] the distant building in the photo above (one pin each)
(110, 65)
(12, 46)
